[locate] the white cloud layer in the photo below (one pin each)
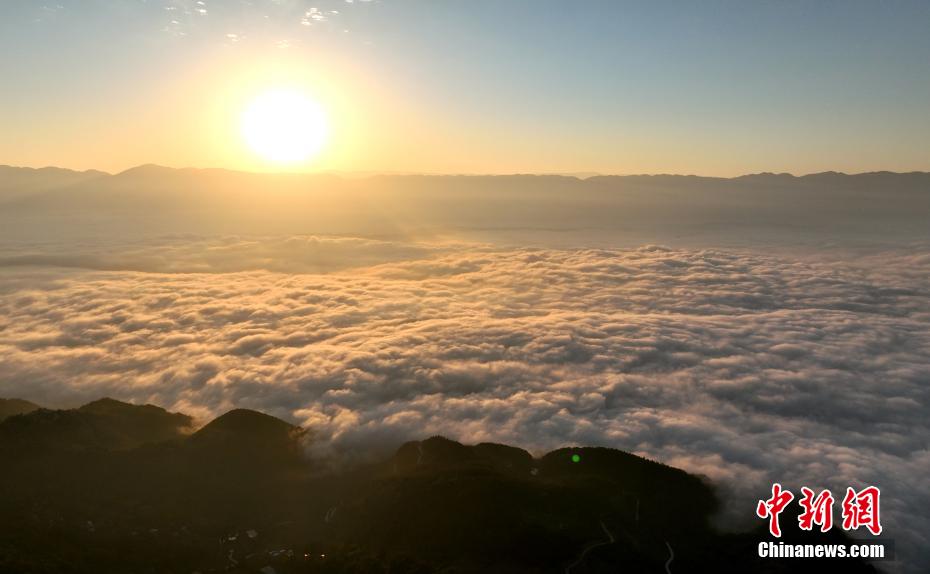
(743, 366)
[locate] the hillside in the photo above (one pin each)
(118, 488)
(103, 424)
(10, 407)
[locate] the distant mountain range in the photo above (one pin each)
(19, 182)
(151, 168)
(38, 205)
(114, 487)
(15, 181)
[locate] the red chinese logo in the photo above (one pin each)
(816, 510)
(861, 509)
(774, 506)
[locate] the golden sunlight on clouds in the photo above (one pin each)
(284, 126)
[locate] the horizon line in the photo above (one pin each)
(580, 175)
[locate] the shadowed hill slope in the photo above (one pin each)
(103, 424)
(240, 495)
(247, 439)
(10, 407)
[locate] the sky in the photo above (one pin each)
(473, 86)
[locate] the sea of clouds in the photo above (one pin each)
(742, 365)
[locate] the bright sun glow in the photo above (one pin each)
(284, 126)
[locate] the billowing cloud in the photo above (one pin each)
(743, 366)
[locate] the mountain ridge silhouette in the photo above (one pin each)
(191, 502)
(154, 168)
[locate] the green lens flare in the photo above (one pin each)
(576, 458)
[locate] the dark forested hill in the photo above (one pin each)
(112, 487)
(10, 407)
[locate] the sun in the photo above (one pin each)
(284, 126)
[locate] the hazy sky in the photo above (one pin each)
(718, 88)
